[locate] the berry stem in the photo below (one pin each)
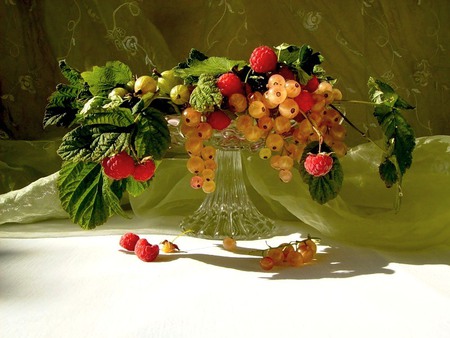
(360, 102)
(350, 123)
(317, 131)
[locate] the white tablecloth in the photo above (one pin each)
(57, 280)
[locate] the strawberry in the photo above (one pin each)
(229, 84)
(263, 59)
(118, 166)
(146, 251)
(144, 171)
(128, 241)
(318, 164)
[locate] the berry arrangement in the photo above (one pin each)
(144, 250)
(293, 254)
(279, 101)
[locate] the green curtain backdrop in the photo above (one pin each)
(403, 42)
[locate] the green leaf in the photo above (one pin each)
(89, 143)
(206, 95)
(303, 59)
(212, 66)
(324, 188)
(399, 136)
(136, 188)
(388, 173)
(64, 104)
(194, 55)
(119, 117)
(102, 80)
(86, 194)
(381, 93)
(67, 100)
(71, 74)
(152, 136)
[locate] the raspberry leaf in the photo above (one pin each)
(399, 136)
(206, 94)
(135, 188)
(152, 137)
(198, 64)
(302, 58)
(102, 80)
(119, 117)
(88, 143)
(65, 102)
(324, 188)
(388, 173)
(87, 195)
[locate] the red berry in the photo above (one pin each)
(305, 101)
(146, 251)
(218, 120)
(286, 73)
(263, 59)
(266, 263)
(229, 83)
(312, 84)
(318, 164)
(128, 241)
(144, 171)
(118, 166)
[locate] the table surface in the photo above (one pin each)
(57, 280)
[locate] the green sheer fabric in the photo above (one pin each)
(363, 214)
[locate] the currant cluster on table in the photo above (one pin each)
(294, 254)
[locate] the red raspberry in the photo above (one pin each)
(263, 59)
(146, 251)
(305, 101)
(218, 120)
(318, 164)
(312, 84)
(144, 171)
(128, 241)
(229, 83)
(119, 166)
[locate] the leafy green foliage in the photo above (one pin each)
(116, 116)
(152, 137)
(102, 80)
(388, 172)
(87, 195)
(198, 64)
(104, 125)
(92, 143)
(399, 136)
(324, 188)
(65, 102)
(206, 94)
(136, 188)
(303, 59)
